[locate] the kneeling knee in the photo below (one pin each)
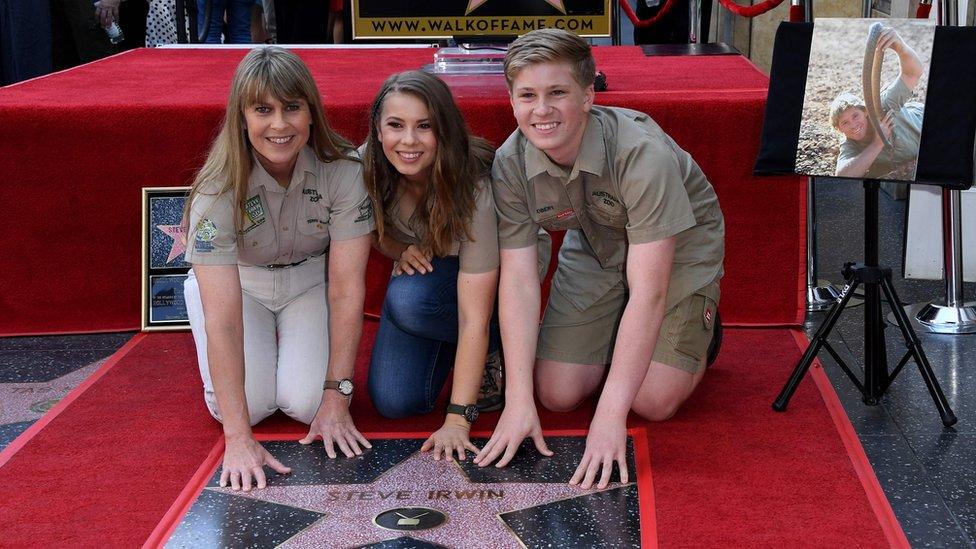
(301, 407)
(656, 409)
(559, 401)
(411, 309)
(396, 405)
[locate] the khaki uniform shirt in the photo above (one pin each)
(479, 254)
(325, 201)
(906, 133)
(631, 184)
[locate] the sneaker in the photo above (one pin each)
(491, 397)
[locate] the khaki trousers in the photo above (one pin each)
(286, 339)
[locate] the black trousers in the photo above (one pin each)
(302, 21)
(673, 28)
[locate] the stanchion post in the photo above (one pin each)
(615, 38)
(955, 316)
(819, 297)
(948, 13)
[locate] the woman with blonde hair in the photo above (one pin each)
(435, 217)
(278, 236)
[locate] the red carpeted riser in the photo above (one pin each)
(727, 470)
(77, 147)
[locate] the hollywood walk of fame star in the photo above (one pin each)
(176, 232)
(472, 508)
(27, 401)
(474, 4)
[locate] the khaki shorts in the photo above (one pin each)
(587, 337)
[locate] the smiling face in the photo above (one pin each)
(854, 124)
(407, 135)
(551, 109)
(277, 132)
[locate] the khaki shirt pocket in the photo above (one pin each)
(612, 217)
(313, 228)
(557, 220)
(610, 225)
(259, 245)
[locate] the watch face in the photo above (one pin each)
(345, 387)
(471, 413)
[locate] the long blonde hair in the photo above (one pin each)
(267, 71)
(460, 162)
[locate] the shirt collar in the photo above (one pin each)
(304, 164)
(591, 158)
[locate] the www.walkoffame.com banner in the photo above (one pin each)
(449, 18)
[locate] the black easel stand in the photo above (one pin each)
(876, 280)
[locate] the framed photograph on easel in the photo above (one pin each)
(942, 154)
(864, 101)
(164, 268)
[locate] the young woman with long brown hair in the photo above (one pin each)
(435, 217)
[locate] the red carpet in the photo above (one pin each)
(76, 148)
(727, 470)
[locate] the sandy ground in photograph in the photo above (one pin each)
(836, 59)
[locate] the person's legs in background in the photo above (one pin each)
(260, 33)
(132, 20)
(302, 21)
(76, 37)
(215, 24)
(25, 40)
(238, 22)
(673, 28)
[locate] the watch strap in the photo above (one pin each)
(337, 385)
(456, 409)
(468, 411)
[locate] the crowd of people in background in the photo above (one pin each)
(40, 37)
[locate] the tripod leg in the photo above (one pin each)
(783, 400)
(915, 347)
(875, 349)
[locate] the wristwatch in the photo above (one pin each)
(344, 386)
(468, 411)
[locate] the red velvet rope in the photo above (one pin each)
(797, 14)
(750, 11)
(643, 24)
(924, 10)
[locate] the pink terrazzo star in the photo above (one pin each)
(29, 401)
(472, 508)
(176, 232)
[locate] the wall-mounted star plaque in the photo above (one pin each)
(163, 266)
(396, 496)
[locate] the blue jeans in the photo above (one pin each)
(417, 340)
(238, 30)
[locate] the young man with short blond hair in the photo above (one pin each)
(640, 263)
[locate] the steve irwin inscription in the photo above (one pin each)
(394, 495)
